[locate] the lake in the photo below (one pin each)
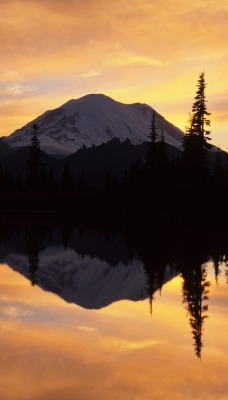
(90, 313)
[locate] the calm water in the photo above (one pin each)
(87, 315)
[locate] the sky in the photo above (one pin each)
(148, 51)
(55, 350)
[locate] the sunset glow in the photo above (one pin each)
(53, 349)
(138, 51)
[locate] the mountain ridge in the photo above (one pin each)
(90, 121)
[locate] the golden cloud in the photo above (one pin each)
(15, 89)
(138, 50)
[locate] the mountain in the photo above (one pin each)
(114, 157)
(89, 265)
(88, 281)
(92, 120)
(16, 162)
(93, 163)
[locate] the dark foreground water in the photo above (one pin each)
(85, 314)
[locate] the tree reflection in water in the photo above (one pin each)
(33, 253)
(195, 293)
(164, 250)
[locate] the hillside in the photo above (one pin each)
(92, 120)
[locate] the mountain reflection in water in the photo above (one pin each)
(94, 268)
(91, 269)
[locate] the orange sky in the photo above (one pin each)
(138, 50)
(54, 350)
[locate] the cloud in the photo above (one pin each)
(74, 35)
(15, 89)
(214, 55)
(138, 50)
(15, 312)
(89, 75)
(87, 329)
(125, 58)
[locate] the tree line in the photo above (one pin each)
(164, 250)
(190, 183)
(187, 183)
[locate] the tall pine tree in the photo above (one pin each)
(196, 139)
(152, 155)
(194, 172)
(34, 161)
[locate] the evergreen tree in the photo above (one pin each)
(200, 122)
(162, 158)
(152, 155)
(33, 244)
(162, 149)
(194, 171)
(155, 173)
(196, 139)
(195, 292)
(150, 170)
(34, 162)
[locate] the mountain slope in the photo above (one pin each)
(92, 120)
(92, 163)
(17, 163)
(89, 282)
(91, 268)
(113, 157)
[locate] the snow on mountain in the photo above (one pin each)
(92, 120)
(87, 281)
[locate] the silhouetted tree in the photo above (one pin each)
(34, 162)
(164, 188)
(152, 154)
(195, 142)
(33, 253)
(194, 166)
(195, 291)
(33, 261)
(162, 155)
(217, 261)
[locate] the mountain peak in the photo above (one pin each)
(92, 120)
(91, 97)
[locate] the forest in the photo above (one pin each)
(171, 210)
(190, 182)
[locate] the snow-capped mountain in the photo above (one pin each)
(90, 268)
(92, 120)
(87, 281)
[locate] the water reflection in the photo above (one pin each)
(94, 267)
